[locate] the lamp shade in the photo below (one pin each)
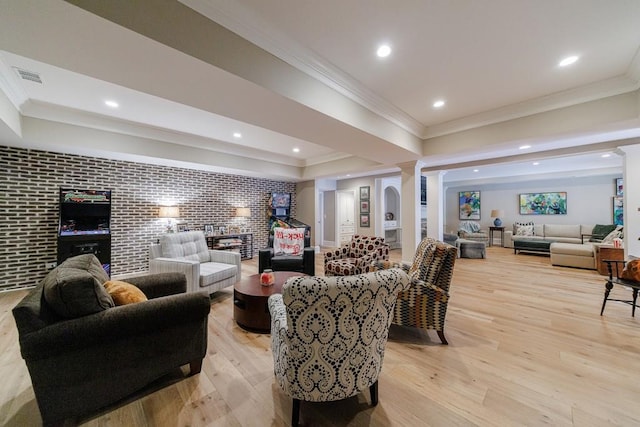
(497, 213)
(169, 212)
(244, 212)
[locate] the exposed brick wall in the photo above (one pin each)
(29, 186)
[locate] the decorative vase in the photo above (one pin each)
(497, 222)
(267, 278)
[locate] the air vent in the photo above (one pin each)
(28, 75)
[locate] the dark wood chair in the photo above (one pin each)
(615, 268)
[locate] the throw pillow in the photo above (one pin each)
(517, 225)
(615, 234)
(525, 230)
(289, 241)
(124, 293)
(75, 292)
(600, 231)
(632, 271)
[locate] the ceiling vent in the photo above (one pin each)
(28, 75)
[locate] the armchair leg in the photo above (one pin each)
(373, 389)
(295, 413)
(442, 338)
(195, 366)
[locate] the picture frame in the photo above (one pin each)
(364, 206)
(551, 203)
(222, 229)
(208, 229)
(364, 193)
(469, 205)
(618, 210)
(364, 220)
(619, 187)
(183, 226)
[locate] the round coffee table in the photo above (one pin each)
(250, 309)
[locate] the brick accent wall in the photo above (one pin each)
(29, 187)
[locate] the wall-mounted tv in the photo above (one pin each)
(281, 200)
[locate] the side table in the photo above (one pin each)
(499, 229)
(607, 253)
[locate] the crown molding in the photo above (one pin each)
(244, 22)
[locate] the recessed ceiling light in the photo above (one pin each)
(383, 51)
(439, 103)
(536, 163)
(348, 175)
(237, 135)
(476, 170)
(568, 61)
(606, 155)
(524, 147)
(296, 150)
(112, 104)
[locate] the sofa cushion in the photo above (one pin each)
(524, 230)
(74, 288)
(124, 293)
(191, 245)
(517, 225)
(615, 234)
(213, 272)
(600, 231)
(564, 230)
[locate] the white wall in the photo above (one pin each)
(589, 201)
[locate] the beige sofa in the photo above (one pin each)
(570, 245)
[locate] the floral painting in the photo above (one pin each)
(618, 208)
(543, 203)
(469, 204)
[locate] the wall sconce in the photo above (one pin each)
(169, 212)
(497, 214)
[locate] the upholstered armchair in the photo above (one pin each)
(328, 334)
(187, 253)
(84, 352)
(470, 230)
(424, 303)
(304, 262)
(355, 257)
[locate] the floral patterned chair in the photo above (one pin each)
(328, 334)
(424, 304)
(355, 257)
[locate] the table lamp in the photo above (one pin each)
(497, 214)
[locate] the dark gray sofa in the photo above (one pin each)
(80, 365)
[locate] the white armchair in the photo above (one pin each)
(328, 334)
(206, 270)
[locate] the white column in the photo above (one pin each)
(435, 204)
(410, 202)
(631, 176)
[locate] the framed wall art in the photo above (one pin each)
(364, 193)
(364, 220)
(619, 187)
(469, 204)
(543, 203)
(364, 206)
(618, 208)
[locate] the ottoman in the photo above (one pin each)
(471, 249)
(573, 255)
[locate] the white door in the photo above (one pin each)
(346, 214)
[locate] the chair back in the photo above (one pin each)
(364, 245)
(191, 245)
(337, 329)
(433, 263)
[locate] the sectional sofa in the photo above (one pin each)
(570, 244)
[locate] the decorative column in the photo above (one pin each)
(631, 199)
(435, 204)
(410, 202)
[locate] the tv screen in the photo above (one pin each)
(84, 212)
(281, 200)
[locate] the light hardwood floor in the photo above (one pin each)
(527, 347)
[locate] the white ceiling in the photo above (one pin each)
(192, 84)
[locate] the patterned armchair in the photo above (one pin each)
(424, 304)
(328, 334)
(355, 257)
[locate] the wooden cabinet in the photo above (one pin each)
(607, 252)
(240, 242)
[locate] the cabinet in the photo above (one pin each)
(610, 253)
(239, 242)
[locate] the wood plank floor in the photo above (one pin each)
(527, 347)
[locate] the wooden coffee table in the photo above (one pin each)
(250, 309)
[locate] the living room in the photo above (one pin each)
(211, 120)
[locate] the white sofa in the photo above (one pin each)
(206, 270)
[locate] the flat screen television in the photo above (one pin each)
(280, 200)
(84, 212)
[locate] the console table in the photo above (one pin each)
(242, 242)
